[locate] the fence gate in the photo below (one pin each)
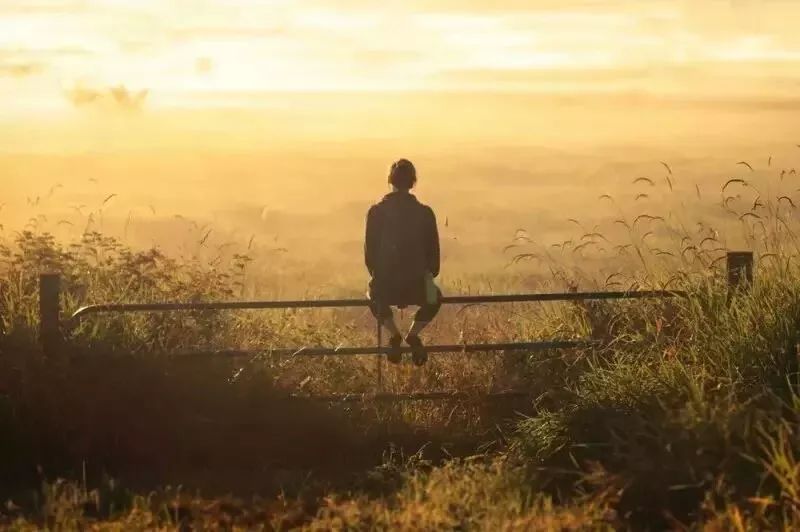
(740, 273)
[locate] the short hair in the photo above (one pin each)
(402, 174)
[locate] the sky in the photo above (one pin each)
(217, 107)
(57, 55)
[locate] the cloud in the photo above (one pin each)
(118, 97)
(484, 6)
(80, 96)
(42, 6)
(700, 79)
(37, 53)
(251, 45)
(234, 31)
(530, 78)
(16, 69)
(377, 57)
(22, 62)
(128, 99)
(203, 65)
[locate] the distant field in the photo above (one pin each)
(291, 176)
(302, 217)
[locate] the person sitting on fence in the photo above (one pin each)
(401, 251)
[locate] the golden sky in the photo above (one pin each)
(60, 54)
(185, 105)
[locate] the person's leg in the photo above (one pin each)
(383, 313)
(422, 318)
(395, 355)
(385, 316)
(418, 325)
(390, 325)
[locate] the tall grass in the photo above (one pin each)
(685, 417)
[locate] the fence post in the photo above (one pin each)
(740, 270)
(49, 315)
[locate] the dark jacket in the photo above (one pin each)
(402, 241)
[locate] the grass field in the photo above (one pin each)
(686, 417)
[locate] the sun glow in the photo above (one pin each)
(180, 51)
(105, 74)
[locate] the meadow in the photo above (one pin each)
(685, 417)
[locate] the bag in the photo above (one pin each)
(431, 290)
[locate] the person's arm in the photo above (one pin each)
(371, 241)
(432, 244)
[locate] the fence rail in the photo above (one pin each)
(409, 397)
(740, 273)
(376, 350)
(342, 303)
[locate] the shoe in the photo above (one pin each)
(395, 355)
(418, 353)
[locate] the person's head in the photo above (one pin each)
(402, 175)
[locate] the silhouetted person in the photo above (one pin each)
(401, 251)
